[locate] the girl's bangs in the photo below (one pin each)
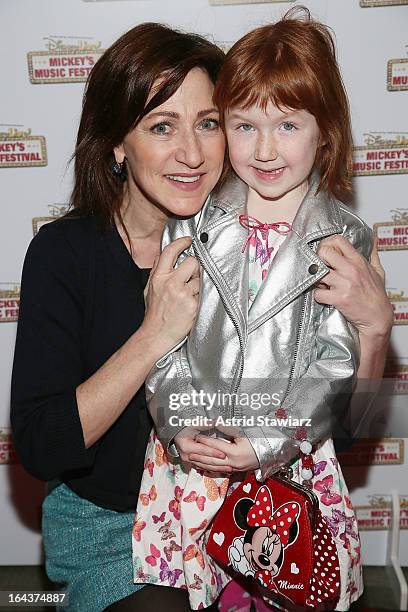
(286, 89)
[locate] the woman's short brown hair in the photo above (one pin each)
(115, 100)
(293, 64)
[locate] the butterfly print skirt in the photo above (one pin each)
(175, 508)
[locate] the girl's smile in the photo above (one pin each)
(268, 175)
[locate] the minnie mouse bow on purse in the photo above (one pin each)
(275, 533)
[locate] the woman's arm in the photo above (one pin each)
(356, 288)
(56, 416)
(171, 306)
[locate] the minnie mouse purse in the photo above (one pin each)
(274, 532)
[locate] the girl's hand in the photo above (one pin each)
(239, 455)
(188, 444)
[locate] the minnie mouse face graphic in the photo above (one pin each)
(267, 534)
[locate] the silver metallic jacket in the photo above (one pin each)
(285, 345)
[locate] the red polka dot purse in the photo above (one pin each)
(275, 533)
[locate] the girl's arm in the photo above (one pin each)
(356, 288)
(316, 403)
(169, 384)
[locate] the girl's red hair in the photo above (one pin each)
(293, 64)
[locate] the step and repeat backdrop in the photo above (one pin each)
(48, 49)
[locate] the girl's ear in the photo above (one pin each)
(119, 153)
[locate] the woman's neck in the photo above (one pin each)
(141, 217)
(269, 210)
(144, 223)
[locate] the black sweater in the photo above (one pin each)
(81, 299)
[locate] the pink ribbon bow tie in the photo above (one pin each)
(254, 226)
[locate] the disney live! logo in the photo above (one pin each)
(372, 3)
(218, 2)
(9, 302)
(399, 303)
(387, 451)
(55, 211)
(377, 515)
(19, 149)
(396, 371)
(397, 75)
(7, 453)
(63, 62)
(382, 153)
(392, 235)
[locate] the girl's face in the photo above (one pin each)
(175, 153)
(272, 151)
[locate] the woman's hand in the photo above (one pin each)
(355, 287)
(172, 296)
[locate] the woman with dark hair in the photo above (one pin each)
(149, 146)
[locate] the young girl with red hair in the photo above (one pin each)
(286, 118)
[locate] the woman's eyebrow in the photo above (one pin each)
(207, 111)
(174, 115)
(171, 114)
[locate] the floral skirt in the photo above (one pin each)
(176, 507)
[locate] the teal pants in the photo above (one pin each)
(88, 550)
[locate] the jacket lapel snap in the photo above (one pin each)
(294, 269)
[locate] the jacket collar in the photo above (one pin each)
(318, 216)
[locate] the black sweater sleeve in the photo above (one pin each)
(48, 359)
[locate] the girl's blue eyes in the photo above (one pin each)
(287, 126)
(165, 128)
(245, 127)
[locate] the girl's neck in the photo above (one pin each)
(268, 210)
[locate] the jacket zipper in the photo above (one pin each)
(295, 355)
(292, 369)
(232, 315)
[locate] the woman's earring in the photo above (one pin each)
(119, 170)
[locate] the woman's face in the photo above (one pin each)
(175, 153)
